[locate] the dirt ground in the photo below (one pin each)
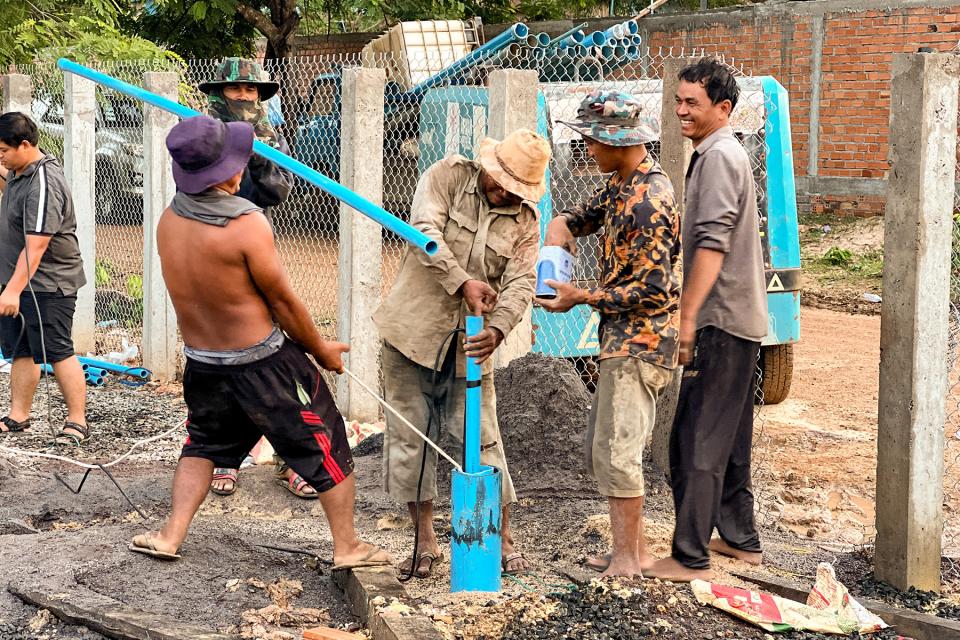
(855, 270)
(815, 470)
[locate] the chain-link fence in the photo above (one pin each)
(951, 486)
(423, 123)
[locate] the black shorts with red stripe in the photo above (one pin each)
(282, 397)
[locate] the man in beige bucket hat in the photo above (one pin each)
(482, 213)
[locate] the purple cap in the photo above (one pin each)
(207, 151)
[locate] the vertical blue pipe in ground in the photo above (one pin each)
(471, 430)
(475, 521)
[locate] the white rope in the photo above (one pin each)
(84, 465)
(402, 419)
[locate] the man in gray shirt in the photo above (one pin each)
(37, 299)
(723, 319)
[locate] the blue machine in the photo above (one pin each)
(453, 120)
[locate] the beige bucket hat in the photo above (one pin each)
(518, 163)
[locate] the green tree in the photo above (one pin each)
(276, 20)
(198, 33)
(83, 30)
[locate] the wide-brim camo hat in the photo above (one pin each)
(242, 71)
(518, 163)
(206, 152)
(614, 118)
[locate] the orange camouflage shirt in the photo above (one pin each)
(638, 294)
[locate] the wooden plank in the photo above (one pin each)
(920, 626)
(110, 617)
(648, 10)
(328, 633)
(363, 585)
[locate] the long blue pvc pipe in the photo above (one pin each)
(338, 191)
(478, 55)
(572, 40)
(563, 36)
(471, 435)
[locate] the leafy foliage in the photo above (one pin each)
(373, 15)
(201, 30)
(84, 30)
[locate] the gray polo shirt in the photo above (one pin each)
(38, 200)
(721, 214)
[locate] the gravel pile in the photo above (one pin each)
(543, 407)
(607, 611)
(916, 599)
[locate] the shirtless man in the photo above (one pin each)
(244, 378)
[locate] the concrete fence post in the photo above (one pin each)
(913, 329)
(361, 241)
(675, 152)
(17, 92)
(512, 106)
(79, 154)
(159, 319)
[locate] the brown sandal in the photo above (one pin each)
(9, 425)
(424, 556)
(73, 438)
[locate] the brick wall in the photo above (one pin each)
(338, 43)
(856, 43)
(833, 57)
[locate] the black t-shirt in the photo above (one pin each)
(38, 201)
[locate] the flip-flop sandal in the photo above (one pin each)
(143, 544)
(297, 486)
(421, 573)
(12, 426)
(73, 438)
(367, 561)
(222, 473)
(516, 555)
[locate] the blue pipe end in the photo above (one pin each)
(598, 38)
(475, 531)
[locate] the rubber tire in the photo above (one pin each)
(776, 362)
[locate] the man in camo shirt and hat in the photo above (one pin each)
(240, 94)
(638, 300)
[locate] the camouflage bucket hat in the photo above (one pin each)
(613, 118)
(242, 71)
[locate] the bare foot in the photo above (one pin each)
(363, 554)
(600, 563)
(750, 557)
(623, 567)
(671, 570)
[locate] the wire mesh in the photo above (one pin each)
(452, 117)
(951, 478)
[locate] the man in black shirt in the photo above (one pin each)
(38, 299)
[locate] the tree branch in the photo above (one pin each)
(258, 20)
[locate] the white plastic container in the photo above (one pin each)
(555, 263)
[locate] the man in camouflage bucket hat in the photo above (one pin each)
(240, 94)
(614, 118)
(638, 300)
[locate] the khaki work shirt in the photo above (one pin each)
(475, 242)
